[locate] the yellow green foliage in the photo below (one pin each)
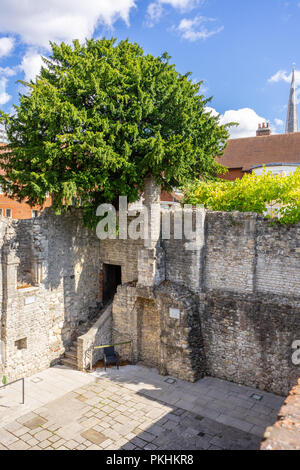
(252, 193)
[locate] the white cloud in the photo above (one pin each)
(4, 96)
(213, 112)
(278, 122)
(154, 13)
(247, 118)
(181, 4)
(31, 64)
(283, 76)
(8, 71)
(37, 22)
(195, 29)
(155, 9)
(6, 45)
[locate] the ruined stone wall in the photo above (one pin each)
(148, 331)
(122, 253)
(184, 262)
(236, 293)
(181, 351)
(247, 276)
(39, 322)
(230, 252)
(248, 339)
(285, 434)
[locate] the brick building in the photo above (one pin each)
(279, 153)
(13, 209)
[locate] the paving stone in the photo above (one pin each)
(71, 444)
(26, 417)
(12, 427)
(44, 444)
(26, 437)
(94, 436)
(234, 422)
(32, 442)
(137, 420)
(42, 435)
(129, 446)
(6, 438)
(147, 436)
(106, 443)
(58, 444)
(150, 447)
(35, 422)
(20, 432)
(138, 442)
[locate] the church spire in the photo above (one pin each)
(292, 115)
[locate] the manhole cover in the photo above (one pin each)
(257, 397)
(170, 381)
(36, 380)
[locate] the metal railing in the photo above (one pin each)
(23, 387)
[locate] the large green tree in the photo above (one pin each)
(102, 116)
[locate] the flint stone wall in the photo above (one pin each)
(285, 434)
(246, 273)
(237, 290)
(59, 258)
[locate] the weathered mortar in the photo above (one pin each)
(181, 344)
(248, 339)
(61, 259)
(285, 434)
(237, 291)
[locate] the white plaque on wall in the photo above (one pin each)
(29, 300)
(175, 313)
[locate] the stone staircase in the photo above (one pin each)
(70, 356)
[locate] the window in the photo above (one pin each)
(21, 344)
(8, 190)
(35, 213)
(9, 213)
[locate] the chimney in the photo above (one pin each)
(263, 129)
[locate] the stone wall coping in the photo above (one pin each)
(93, 330)
(27, 290)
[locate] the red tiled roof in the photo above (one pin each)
(248, 152)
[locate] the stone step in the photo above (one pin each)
(69, 363)
(71, 355)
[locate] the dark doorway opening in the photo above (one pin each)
(112, 278)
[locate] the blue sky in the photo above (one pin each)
(243, 50)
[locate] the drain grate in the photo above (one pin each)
(257, 397)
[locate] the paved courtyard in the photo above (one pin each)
(133, 408)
